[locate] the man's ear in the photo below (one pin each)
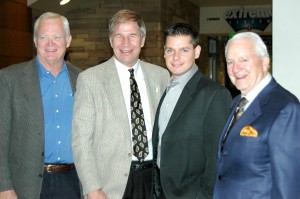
(197, 51)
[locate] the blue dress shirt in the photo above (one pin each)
(57, 96)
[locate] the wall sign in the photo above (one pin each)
(225, 20)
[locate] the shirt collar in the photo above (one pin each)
(124, 68)
(44, 72)
(184, 78)
(260, 86)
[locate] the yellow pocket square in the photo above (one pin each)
(249, 131)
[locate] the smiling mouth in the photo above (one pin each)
(239, 77)
(176, 65)
(126, 51)
(50, 50)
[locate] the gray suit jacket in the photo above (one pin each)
(22, 129)
(101, 133)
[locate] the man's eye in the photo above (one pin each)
(184, 50)
(118, 36)
(57, 37)
(168, 51)
(42, 37)
(230, 62)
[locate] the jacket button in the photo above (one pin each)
(40, 175)
(219, 177)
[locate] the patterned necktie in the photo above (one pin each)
(237, 115)
(139, 133)
(239, 110)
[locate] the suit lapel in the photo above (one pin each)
(252, 112)
(155, 127)
(73, 76)
(32, 91)
(153, 89)
(185, 97)
(115, 95)
(224, 132)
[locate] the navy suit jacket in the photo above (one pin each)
(266, 165)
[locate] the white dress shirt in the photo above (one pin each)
(257, 89)
(139, 77)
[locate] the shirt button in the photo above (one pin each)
(219, 177)
(129, 155)
(57, 111)
(59, 142)
(40, 175)
(58, 158)
(57, 126)
(56, 95)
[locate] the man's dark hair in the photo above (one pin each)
(182, 29)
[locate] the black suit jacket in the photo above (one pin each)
(189, 143)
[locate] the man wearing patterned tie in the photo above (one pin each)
(114, 110)
(258, 155)
(189, 120)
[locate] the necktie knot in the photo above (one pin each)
(131, 71)
(241, 108)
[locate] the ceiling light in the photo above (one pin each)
(63, 2)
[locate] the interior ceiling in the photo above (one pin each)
(40, 6)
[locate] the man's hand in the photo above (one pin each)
(9, 194)
(98, 194)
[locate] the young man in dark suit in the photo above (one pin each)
(189, 120)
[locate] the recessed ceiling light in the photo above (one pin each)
(63, 2)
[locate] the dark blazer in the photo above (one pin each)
(189, 143)
(22, 129)
(260, 159)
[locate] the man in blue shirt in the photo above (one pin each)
(36, 113)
